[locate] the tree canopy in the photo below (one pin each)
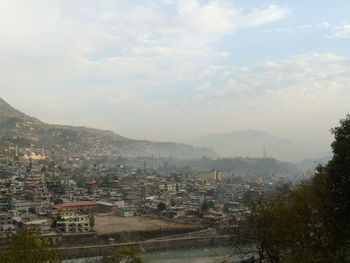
(312, 222)
(24, 247)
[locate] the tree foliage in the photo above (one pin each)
(26, 248)
(161, 207)
(311, 223)
(92, 220)
(205, 206)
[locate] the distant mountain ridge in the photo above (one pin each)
(17, 128)
(255, 144)
(312, 162)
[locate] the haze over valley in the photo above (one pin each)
(162, 72)
(174, 131)
(254, 143)
(21, 130)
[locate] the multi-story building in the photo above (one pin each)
(74, 224)
(39, 226)
(81, 206)
(170, 186)
(106, 207)
(39, 194)
(210, 177)
(127, 211)
(6, 221)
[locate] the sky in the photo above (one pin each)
(174, 70)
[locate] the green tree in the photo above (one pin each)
(205, 206)
(92, 220)
(265, 223)
(124, 255)
(310, 222)
(161, 206)
(24, 247)
(337, 174)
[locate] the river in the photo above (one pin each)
(197, 255)
(204, 255)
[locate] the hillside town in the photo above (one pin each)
(68, 204)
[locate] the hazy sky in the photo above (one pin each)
(178, 69)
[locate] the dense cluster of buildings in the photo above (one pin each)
(57, 202)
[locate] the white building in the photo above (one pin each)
(74, 224)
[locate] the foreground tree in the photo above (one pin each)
(312, 222)
(161, 207)
(337, 174)
(24, 247)
(92, 220)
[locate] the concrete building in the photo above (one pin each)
(79, 206)
(40, 193)
(172, 187)
(6, 222)
(210, 177)
(106, 207)
(127, 211)
(25, 204)
(74, 224)
(39, 226)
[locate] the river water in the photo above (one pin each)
(204, 255)
(197, 255)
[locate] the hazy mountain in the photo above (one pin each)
(17, 128)
(6, 111)
(256, 144)
(312, 162)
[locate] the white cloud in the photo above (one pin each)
(81, 49)
(69, 59)
(220, 17)
(341, 31)
(305, 83)
(65, 41)
(205, 86)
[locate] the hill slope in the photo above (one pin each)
(17, 128)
